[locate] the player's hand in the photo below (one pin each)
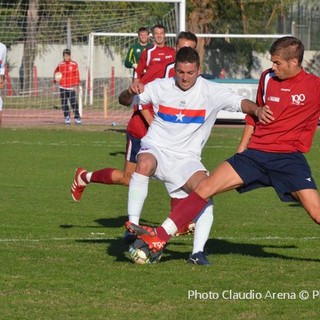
(136, 87)
(264, 114)
(134, 65)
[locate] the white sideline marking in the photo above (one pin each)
(184, 238)
(55, 239)
(63, 143)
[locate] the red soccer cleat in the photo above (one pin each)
(78, 185)
(148, 235)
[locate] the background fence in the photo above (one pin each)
(36, 36)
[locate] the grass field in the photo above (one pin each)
(67, 260)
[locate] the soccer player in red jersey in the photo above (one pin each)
(158, 54)
(270, 154)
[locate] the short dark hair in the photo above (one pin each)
(288, 48)
(187, 55)
(143, 29)
(159, 26)
(187, 35)
(66, 51)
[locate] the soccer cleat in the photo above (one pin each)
(67, 120)
(148, 235)
(129, 237)
(78, 185)
(199, 258)
(77, 121)
(187, 228)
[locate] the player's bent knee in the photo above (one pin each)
(204, 190)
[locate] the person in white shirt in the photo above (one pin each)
(3, 56)
(185, 109)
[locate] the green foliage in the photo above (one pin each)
(67, 260)
(255, 17)
(85, 17)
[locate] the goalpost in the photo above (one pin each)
(89, 94)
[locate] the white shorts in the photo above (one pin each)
(174, 168)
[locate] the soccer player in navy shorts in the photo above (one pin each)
(270, 154)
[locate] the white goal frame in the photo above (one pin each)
(181, 9)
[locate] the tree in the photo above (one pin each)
(238, 17)
(30, 44)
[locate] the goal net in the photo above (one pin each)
(36, 37)
(99, 35)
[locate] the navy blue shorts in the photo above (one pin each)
(285, 172)
(132, 148)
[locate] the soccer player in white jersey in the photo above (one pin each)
(185, 108)
(3, 55)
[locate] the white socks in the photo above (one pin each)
(169, 226)
(138, 190)
(202, 230)
(203, 226)
(88, 176)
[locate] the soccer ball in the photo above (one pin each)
(141, 254)
(58, 76)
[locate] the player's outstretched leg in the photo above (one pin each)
(148, 235)
(78, 185)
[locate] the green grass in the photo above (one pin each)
(67, 260)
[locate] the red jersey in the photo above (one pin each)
(154, 56)
(70, 74)
(170, 70)
(295, 104)
(137, 125)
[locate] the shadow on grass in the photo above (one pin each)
(116, 153)
(117, 222)
(118, 249)
(219, 246)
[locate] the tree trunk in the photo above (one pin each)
(30, 43)
(198, 22)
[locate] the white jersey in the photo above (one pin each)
(184, 119)
(3, 55)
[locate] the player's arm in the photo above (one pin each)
(128, 60)
(264, 114)
(246, 135)
(126, 96)
(140, 69)
(147, 115)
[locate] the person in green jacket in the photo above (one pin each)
(134, 52)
